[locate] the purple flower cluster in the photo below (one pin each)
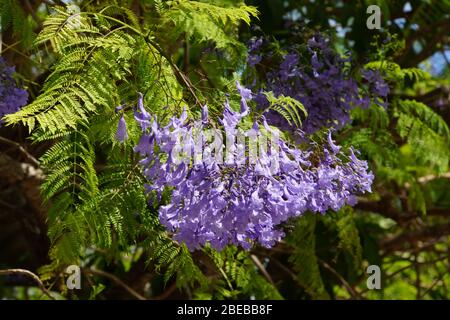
(377, 86)
(322, 83)
(12, 98)
(254, 57)
(238, 201)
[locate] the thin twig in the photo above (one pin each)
(31, 275)
(432, 177)
(349, 288)
(177, 70)
(167, 293)
(412, 264)
(21, 149)
(115, 280)
(261, 267)
(435, 282)
(284, 268)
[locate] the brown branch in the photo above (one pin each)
(261, 267)
(21, 149)
(167, 293)
(182, 77)
(426, 179)
(348, 287)
(31, 275)
(433, 35)
(435, 282)
(432, 232)
(384, 208)
(284, 268)
(32, 11)
(413, 263)
(116, 280)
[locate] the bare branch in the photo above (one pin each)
(116, 280)
(21, 149)
(31, 275)
(432, 232)
(182, 77)
(348, 287)
(261, 267)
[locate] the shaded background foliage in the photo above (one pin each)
(403, 226)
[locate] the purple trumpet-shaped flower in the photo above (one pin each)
(142, 116)
(241, 202)
(205, 114)
(121, 133)
(333, 147)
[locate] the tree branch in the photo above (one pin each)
(116, 280)
(431, 232)
(21, 149)
(261, 267)
(31, 275)
(182, 77)
(347, 286)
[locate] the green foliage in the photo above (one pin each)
(187, 53)
(94, 186)
(304, 258)
(377, 145)
(349, 241)
(404, 141)
(428, 12)
(204, 22)
(239, 276)
(177, 260)
(13, 17)
(288, 107)
(425, 131)
(397, 75)
(84, 81)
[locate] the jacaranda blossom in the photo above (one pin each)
(239, 201)
(121, 134)
(12, 98)
(324, 85)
